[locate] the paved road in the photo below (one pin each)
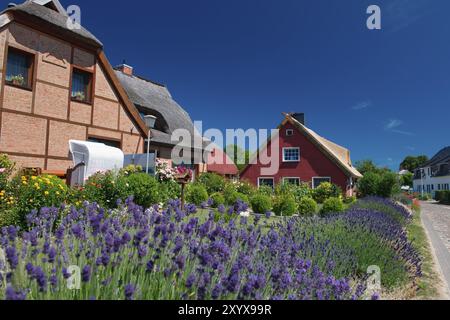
(436, 219)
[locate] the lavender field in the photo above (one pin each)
(132, 253)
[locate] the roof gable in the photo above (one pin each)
(441, 157)
(335, 152)
(50, 16)
(52, 4)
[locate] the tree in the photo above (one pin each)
(411, 163)
(407, 179)
(368, 185)
(365, 166)
(377, 181)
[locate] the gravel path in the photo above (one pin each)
(436, 219)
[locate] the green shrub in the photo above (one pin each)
(246, 188)
(106, 189)
(333, 205)
(10, 217)
(131, 169)
(443, 197)
(389, 185)
(212, 182)
(233, 197)
(228, 190)
(325, 191)
(261, 203)
(298, 191)
(447, 200)
(6, 170)
(217, 199)
(307, 207)
(169, 190)
(368, 185)
(425, 197)
(285, 205)
(266, 190)
(196, 194)
(350, 200)
(302, 191)
(145, 189)
(382, 184)
(26, 194)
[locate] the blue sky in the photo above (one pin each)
(240, 63)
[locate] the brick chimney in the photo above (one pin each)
(128, 70)
(300, 117)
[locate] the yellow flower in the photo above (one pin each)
(46, 193)
(24, 183)
(58, 193)
(33, 178)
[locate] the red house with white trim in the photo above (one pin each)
(306, 157)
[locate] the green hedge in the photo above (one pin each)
(443, 197)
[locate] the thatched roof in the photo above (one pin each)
(57, 19)
(153, 98)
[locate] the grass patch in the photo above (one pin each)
(428, 284)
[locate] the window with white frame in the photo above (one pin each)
(317, 181)
(289, 132)
(268, 182)
(291, 154)
(292, 181)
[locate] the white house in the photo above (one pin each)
(434, 175)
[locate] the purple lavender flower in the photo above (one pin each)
(190, 281)
(30, 269)
(11, 256)
(150, 266)
(221, 209)
(51, 254)
(41, 279)
(66, 274)
(13, 295)
(77, 231)
(86, 273)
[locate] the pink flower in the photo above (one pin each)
(2, 170)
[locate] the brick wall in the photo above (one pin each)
(36, 124)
